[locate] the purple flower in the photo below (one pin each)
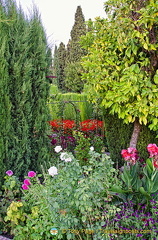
(31, 174)
(139, 235)
(54, 141)
(9, 172)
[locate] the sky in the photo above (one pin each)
(58, 16)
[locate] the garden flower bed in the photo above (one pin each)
(65, 133)
(94, 201)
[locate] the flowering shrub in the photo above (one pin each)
(62, 124)
(63, 133)
(70, 197)
(10, 192)
(91, 125)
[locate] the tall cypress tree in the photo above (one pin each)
(24, 64)
(5, 104)
(74, 53)
(39, 55)
(59, 64)
(19, 67)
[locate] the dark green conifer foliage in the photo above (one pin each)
(5, 104)
(60, 66)
(19, 69)
(74, 54)
(24, 63)
(39, 55)
(79, 27)
(55, 63)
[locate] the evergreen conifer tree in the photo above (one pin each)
(74, 53)
(24, 63)
(5, 104)
(39, 55)
(60, 65)
(19, 68)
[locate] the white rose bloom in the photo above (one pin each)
(92, 148)
(63, 155)
(58, 149)
(68, 159)
(53, 171)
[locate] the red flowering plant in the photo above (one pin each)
(62, 133)
(91, 125)
(140, 178)
(93, 129)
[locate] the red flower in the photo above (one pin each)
(68, 124)
(125, 154)
(90, 125)
(155, 163)
(55, 123)
(130, 154)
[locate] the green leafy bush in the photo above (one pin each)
(71, 199)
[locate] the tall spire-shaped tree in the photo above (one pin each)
(59, 65)
(5, 104)
(74, 54)
(24, 88)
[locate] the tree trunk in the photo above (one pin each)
(135, 134)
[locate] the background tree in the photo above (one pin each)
(121, 65)
(74, 53)
(59, 65)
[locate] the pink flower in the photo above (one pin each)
(132, 150)
(27, 182)
(9, 172)
(25, 187)
(31, 174)
(152, 149)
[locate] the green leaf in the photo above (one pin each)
(155, 183)
(117, 189)
(142, 190)
(56, 205)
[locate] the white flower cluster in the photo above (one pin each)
(65, 157)
(53, 171)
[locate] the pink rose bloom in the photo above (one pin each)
(25, 187)
(152, 149)
(27, 182)
(31, 174)
(9, 172)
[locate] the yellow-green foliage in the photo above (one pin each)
(65, 105)
(15, 213)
